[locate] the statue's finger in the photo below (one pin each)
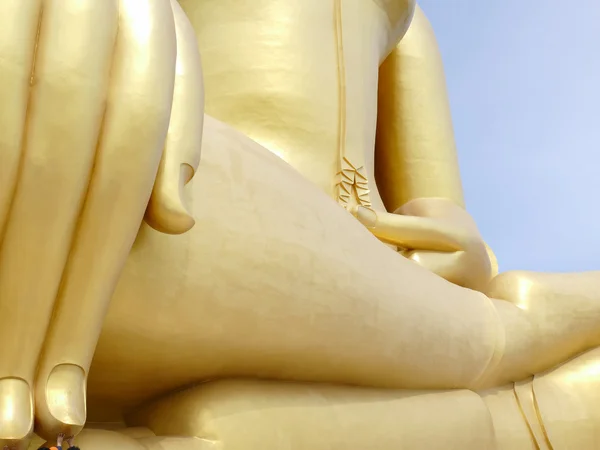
(63, 117)
(127, 159)
(167, 211)
(410, 231)
(19, 20)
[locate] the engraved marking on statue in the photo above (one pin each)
(353, 186)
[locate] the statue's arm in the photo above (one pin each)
(417, 168)
(415, 149)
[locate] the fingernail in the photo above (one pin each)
(65, 394)
(16, 409)
(368, 217)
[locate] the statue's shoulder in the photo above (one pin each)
(399, 13)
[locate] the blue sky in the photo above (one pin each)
(524, 86)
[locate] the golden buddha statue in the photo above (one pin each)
(276, 295)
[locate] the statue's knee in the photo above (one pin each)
(515, 287)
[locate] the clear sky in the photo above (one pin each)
(524, 84)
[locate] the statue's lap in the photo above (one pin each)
(277, 281)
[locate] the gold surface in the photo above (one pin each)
(321, 242)
(322, 417)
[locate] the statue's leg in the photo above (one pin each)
(272, 415)
(277, 281)
(548, 318)
(567, 400)
(556, 409)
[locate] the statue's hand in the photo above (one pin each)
(90, 91)
(437, 234)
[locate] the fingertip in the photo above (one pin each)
(16, 397)
(61, 407)
(167, 214)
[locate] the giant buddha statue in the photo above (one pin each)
(269, 250)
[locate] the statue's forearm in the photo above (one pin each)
(416, 154)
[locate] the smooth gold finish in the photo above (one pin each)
(415, 158)
(65, 404)
(321, 243)
(321, 417)
(15, 423)
(95, 439)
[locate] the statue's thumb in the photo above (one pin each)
(167, 211)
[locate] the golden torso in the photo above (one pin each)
(290, 75)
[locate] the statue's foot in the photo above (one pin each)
(16, 409)
(548, 318)
(313, 294)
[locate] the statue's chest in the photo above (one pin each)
(299, 77)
